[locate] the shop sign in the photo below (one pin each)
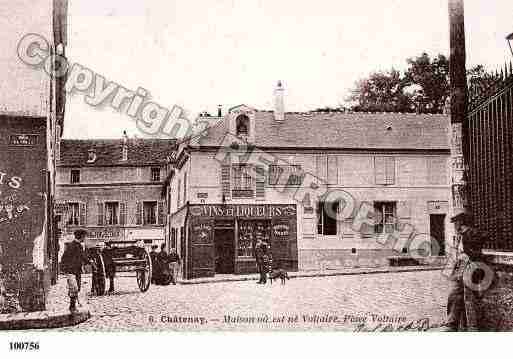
(103, 233)
(202, 195)
(202, 233)
(244, 210)
(281, 230)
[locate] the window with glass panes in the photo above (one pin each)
(243, 182)
(155, 174)
(150, 212)
(326, 223)
(75, 176)
(73, 214)
(111, 213)
(385, 216)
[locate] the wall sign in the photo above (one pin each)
(23, 140)
(202, 195)
(438, 206)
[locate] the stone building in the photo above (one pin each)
(113, 188)
(31, 121)
(325, 190)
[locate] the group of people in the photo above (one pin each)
(165, 265)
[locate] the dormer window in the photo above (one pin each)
(91, 156)
(242, 126)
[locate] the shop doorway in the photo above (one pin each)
(437, 231)
(224, 250)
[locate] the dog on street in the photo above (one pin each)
(278, 273)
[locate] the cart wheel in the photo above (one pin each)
(98, 282)
(144, 275)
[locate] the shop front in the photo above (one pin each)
(221, 238)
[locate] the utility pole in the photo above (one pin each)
(458, 98)
(459, 130)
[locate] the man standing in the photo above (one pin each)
(174, 262)
(462, 301)
(261, 254)
(110, 268)
(71, 264)
(154, 264)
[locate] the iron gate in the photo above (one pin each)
(490, 159)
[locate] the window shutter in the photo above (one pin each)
(403, 209)
(122, 213)
(83, 215)
(138, 213)
(332, 170)
(275, 173)
(322, 167)
(379, 169)
(389, 170)
(100, 214)
(437, 171)
(225, 180)
(260, 182)
(160, 209)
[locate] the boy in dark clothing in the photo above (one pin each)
(71, 264)
(174, 262)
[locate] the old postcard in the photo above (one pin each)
(185, 166)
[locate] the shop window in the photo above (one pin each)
(155, 174)
(75, 176)
(243, 183)
(73, 214)
(384, 170)
(111, 213)
(242, 126)
(150, 212)
(249, 233)
(385, 216)
(289, 175)
(326, 223)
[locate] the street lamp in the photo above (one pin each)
(509, 38)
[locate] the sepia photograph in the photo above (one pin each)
(261, 166)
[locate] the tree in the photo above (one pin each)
(381, 92)
(430, 79)
(422, 88)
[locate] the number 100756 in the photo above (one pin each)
(23, 346)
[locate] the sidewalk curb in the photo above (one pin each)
(364, 271)
(42, 320)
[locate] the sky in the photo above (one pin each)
(201, 53)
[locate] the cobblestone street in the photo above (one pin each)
(329, 303)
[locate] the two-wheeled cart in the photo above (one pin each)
(120, 257)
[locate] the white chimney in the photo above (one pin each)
(279, 107)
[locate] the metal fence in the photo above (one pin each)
(490, 159)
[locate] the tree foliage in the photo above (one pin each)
(423, 87)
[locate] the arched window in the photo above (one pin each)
(242, 125)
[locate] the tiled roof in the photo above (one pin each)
(141, 152)
(344, 130)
